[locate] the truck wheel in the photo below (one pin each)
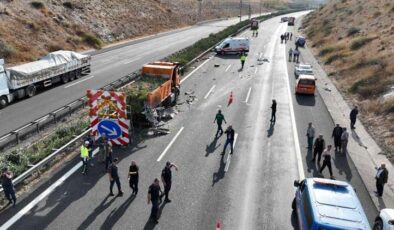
(65, 78)
(78, 73)
(3, 102)
(31, 90)
(72, 75)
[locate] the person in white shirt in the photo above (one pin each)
(327, 155)
(344, 140)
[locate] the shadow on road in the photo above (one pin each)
(151, 225)
(114, 216)
(342, 164)
(305, 100)
(270, 131)
(212, 146)
(217, 176)
(228, 56)
(311, 166)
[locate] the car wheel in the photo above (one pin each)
(293, 204)
(378, 224)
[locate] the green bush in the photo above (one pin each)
(352, 31)
(91, 40)
(37, 4)
(326, 50)
(68, 5)
(334, 57)
(359, 42)
(6, 50)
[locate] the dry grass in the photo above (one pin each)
(363, 68)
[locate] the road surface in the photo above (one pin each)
(251, 189)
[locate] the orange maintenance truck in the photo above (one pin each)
(167, 78)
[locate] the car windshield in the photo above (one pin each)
(306, 82)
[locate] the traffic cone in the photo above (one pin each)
(230, 99)
(217, 225)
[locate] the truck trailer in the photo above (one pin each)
(24, 80)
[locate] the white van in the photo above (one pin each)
(235, 44)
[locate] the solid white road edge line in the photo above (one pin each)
(191, 73)
(170, 144)
(39, 198)
(209, 92)
(77, 82)
(228, 161)
(228, 67)
(247, 96)
(294, 125)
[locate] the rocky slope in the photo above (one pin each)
(29, 29)
(355, 41)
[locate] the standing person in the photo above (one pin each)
(353, 117)
(8, 186)
(104, 145)
(296, 55)
(85, 157)
(319, 146)
(108, 157)
(344, 140)
(327, 155)
(219, 118)
(285, 37)
(91, 140)
(166, 179)
(230, 138)
(133, 177)
(281, 38)
(114, 178)
(243, 59)
(290, 54)
(273, 111)
(310, 133)
(291, 36)
(381, 177)
(154, 197)
(336, 134)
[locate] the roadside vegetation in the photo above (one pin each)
(358, 55)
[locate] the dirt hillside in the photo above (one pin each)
(355, 41)
(30, 29)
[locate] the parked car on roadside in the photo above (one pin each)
(300, 41)
(305, 84)
(385, 220)
(328, 204)
(305, 69)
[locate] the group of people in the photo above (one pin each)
(294, 54)
(285, 37)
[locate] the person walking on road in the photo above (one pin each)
(166, 178)
(114, 178)
(243, 59)
(336, 134)
(310, 133)
(108, 157)
(318, 148)
(273, 111)
(8, 186)
(353, 117)
(344, 140)
(133, 177)
(85, 157)
(290, 54)
(296, 55)
(104, 146)
(230, 139)
(219, 118)
(154, 197)
(327, 155)
(281, 38)
(381, 177)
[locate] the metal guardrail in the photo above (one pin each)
(120, 83)
(35, 126)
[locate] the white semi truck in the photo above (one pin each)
(23, 80)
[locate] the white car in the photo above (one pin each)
(303, 69)
(385, 220)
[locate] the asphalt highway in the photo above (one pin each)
(251, 189)
(106, 68)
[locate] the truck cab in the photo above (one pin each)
(4, 90)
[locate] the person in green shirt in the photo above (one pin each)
(85, 157)
(243, 59)
(219, 118)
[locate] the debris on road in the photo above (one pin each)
(216, 65)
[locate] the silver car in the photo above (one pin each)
(303, 69)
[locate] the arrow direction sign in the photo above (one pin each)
(111, 128)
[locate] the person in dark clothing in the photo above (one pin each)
(108, 157)
(219, 118)
(381, 177)
(8, 186)
(133, 177)
(327, 155)
(273, 111)
(91, 140)
(166, 178)
(291, 36)
(230, 139)
(154, 197)
(318, 148)
(281, 38)
(337, 134)
(353, 117)
(114, 178)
